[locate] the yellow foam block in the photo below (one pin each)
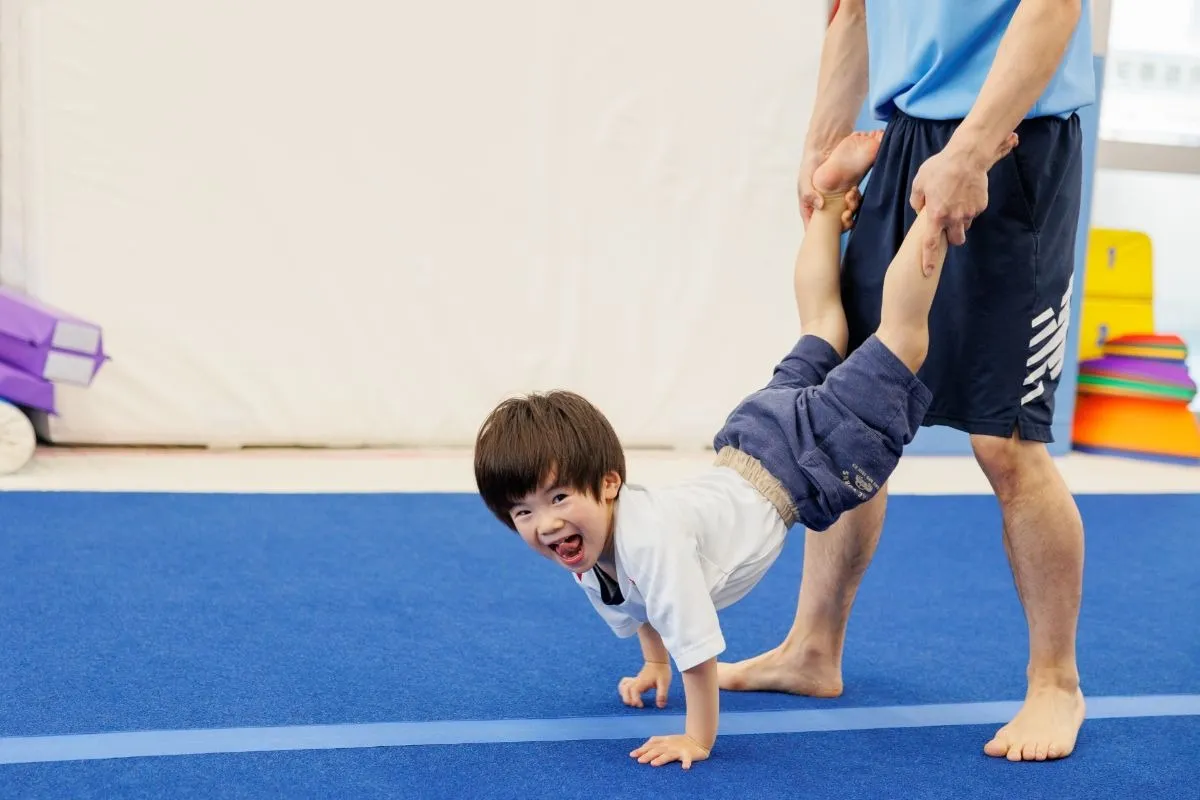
(1120, 265)
(1102, 319)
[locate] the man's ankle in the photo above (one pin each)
(813, 649)
(1058, 676)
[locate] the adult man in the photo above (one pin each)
(952, 80)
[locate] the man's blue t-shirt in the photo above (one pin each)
(929, 58)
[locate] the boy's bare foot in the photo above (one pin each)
(847, 165)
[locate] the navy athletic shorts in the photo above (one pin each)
(998, 328)
(830, 431)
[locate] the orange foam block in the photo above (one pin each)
(1136, 426)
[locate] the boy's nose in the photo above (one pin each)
(549, 525)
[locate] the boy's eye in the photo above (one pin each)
(519, 513)
(560, 497)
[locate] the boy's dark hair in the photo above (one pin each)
(525, 439)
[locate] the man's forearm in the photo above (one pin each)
(841, 79)
(1028, 56)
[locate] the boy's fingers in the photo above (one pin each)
(929, 255)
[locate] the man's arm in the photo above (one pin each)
(952, 185)
(1028, 56)
(841, 90)
(841, 78)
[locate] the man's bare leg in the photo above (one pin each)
(1043, 535)
(809, 660)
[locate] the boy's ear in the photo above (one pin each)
(611, 486)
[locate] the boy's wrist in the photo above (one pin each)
(702, 739)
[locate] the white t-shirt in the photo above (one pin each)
(683, 552)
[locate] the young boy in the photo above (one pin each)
(821, 437)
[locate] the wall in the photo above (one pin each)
(366, 227)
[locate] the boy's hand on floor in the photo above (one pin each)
(652, 676)
(659, 750)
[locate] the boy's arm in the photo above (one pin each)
(700, 726)
(841, 91)
(681, 610)
(703, 698)
(655, 673)
(653, 649)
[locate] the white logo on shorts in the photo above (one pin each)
(862, 484)
(1048, 346)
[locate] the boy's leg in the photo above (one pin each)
(818, 263)
(908, 295)
(908, 290)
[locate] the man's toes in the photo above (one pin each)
(998, 746)
(1037, 750)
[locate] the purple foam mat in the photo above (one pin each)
(22, 389)
(1139, 369)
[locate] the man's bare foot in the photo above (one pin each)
(1046, 726)
(847, 165)
(784, 669)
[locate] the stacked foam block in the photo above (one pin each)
(1118, 288)
(1133, 400)
(40, 348)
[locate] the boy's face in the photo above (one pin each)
(566, 525)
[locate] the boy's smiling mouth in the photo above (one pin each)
(569, 550)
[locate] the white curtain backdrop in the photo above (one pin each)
(367, 222)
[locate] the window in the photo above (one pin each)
(1152, 74)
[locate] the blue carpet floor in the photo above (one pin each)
(133, 612)
(1122, 759)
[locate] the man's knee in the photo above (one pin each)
(1007, 462)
